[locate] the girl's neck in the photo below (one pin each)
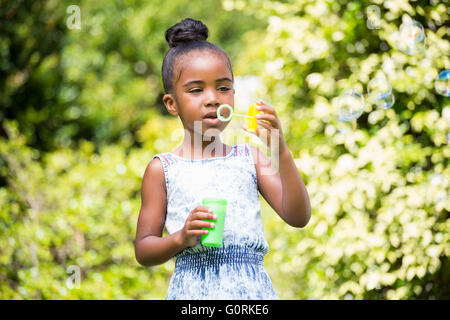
(208, 149)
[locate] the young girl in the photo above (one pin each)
(198, 78)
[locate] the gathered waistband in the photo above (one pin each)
(217, 256)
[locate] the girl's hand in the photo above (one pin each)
(268, 120)
(194, 223)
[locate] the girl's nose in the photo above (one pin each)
(212, 98)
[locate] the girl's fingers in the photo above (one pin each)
(264, 124)
(201, 209)
(265, 116)
(261, 106)
(197, 232)
(203, 215)
(198, 224)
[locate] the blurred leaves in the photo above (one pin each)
(379, 191)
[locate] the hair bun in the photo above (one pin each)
(186, 30)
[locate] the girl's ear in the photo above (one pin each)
(171, 104)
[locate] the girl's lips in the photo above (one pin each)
(211, 121)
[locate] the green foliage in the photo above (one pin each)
(379, 191)
(82, 116)
(99, 82)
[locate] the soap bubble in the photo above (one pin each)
(378, 86)
(380, 93)
(385, 101)
(442, 83)
(350, 104)
(411, 37)
(448, 133)
(343, 127)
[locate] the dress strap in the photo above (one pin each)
(166, 158)
(165, 163)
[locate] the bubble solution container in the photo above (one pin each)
(215, 235)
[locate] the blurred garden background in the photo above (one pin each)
(81, 116)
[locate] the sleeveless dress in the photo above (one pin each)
(235, 270)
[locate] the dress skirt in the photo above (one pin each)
(224, 273)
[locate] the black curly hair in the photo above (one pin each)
(184, 37)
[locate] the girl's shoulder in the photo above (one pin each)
(155, 172)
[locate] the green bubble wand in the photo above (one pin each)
(250, 116)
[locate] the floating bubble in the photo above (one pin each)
(345, 127)
(411, 37)
(350, 104)
(378, 86)
(385, 101)
(448, 134)
(442, 83)
(380, 93)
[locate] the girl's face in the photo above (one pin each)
(204, 84)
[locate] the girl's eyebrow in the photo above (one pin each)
(200, 81)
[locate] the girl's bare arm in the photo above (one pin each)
(150, 247)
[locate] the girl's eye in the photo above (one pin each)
(199, 90)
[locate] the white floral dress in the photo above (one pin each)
(235, 270)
